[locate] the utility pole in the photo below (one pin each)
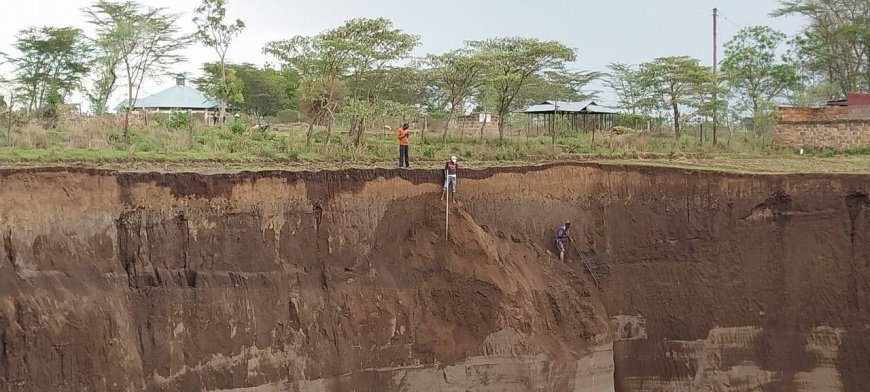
(715, 75)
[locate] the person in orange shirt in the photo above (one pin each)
(402, 135)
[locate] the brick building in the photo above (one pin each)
(841, 124)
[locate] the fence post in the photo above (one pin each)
(189, 129)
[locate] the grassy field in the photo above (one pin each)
(220, 149)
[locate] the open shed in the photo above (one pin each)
(585, 116)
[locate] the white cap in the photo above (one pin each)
(453, 158)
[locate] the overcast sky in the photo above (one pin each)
(603, 31)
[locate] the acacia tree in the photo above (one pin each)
(836, 43)
(104, 64)
(560, 85)
(673, 83)
(220, 81)
(511, 62)
(623, 79)
(755, 74)
(265, 91)
(320, 62)
(369, 45)
(147, 41)
(212, 32)
(456, 74)
(50, 61)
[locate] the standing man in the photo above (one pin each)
(450, 177)
(563, 234)
(402, 135)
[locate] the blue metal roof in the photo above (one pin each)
(176, 97)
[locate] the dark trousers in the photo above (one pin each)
(403, 157)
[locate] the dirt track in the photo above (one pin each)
(342, 281)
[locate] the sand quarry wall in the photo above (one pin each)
(343, 281)
(838, 127)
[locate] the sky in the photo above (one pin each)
(602, 31)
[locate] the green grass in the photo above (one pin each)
(220, 146)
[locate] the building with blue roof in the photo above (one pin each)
(178, 97)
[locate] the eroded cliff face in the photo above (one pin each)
(347, 281)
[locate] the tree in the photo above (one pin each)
(105, 63)
(257, 91)
(212, 32)
(220, 82)
(369, 45)
(320, 62)
(456, 74)
(147, 40)
(510, 62)
(49, 57)
(340, 62)
(836, 43)
(755, 74)
(266, 91)
(623, 79)
(673, 83)
(559, 85)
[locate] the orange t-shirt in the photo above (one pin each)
(402, 135)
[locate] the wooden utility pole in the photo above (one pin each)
(715, 75)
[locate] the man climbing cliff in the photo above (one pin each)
(450, 177)
(562, 235)
(402, 135)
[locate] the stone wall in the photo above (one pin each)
(825, 127)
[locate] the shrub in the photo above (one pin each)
(238, 126)
(826, 154)
(178, 120)
(287, 116)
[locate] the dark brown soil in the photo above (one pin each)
(347, 281)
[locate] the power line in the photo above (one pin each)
(739, 26)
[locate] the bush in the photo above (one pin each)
(826, 154)
(238, 126)
(287, 116)
(178, 120)
(857, 151)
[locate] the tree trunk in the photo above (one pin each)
(9, 128)
(310, 131)
(676, 121)
(359, 131)
(328, 128)
(482, 126)
(755, 119)
(423, 132)
(447, 125)
(223, 101)
(500, 127)
(127, 124)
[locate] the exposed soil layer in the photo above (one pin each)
(348, 281)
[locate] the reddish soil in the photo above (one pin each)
(343, 281)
